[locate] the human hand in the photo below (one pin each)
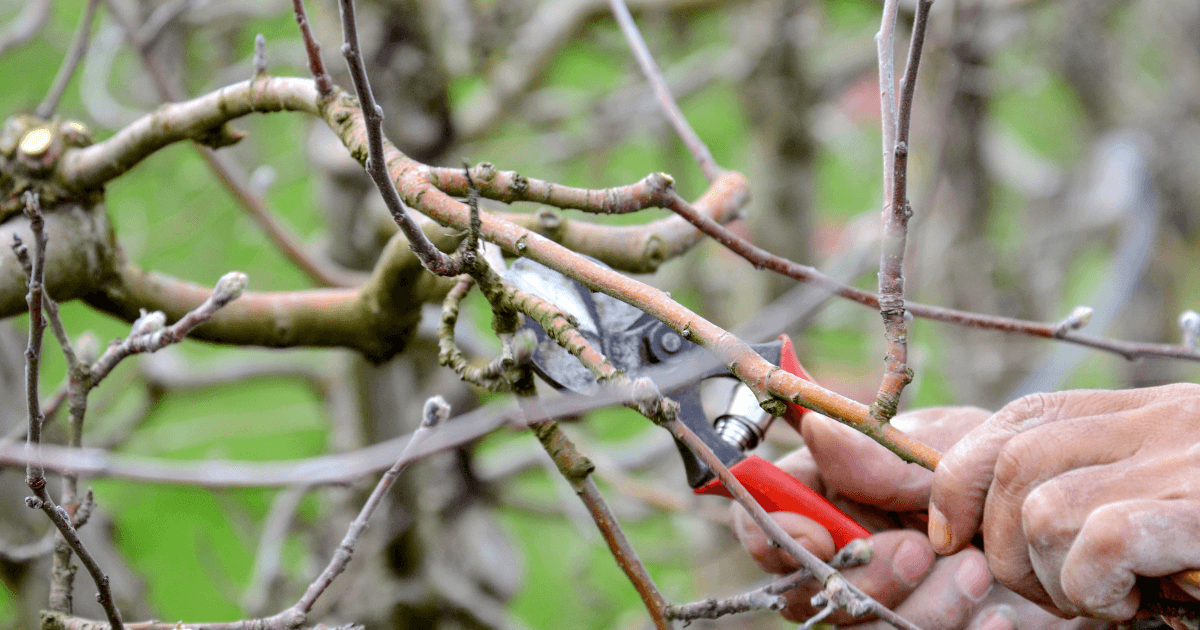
(936, 594)
(1078, 493)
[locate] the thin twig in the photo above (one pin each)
(497, 375)
(75, 54)
(26, 25)
(35, 473)
(270, 548)
(712, 608)
(897, 209)
(577, 470)
(436, 412)
(763, 259)
(289, 244)
(855, 553)
(670, 108)
(315, 66)
(376, 166)
(149, 332)
(885, 44)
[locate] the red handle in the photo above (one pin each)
(778, 491)
(791, 364)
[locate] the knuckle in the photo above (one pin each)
(1042, 517)
(1014, 415)
(1182, 391)
(1019, 461)
(1108, 534)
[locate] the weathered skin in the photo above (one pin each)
(1078, 492)
(946, 593)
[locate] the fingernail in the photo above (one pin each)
(939, 531)
(998, 620)
(974, 579)
(911, 562)
(1191, 578)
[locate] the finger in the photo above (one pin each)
(1001, 617)
(774, 559)
(965, 473)
(1018, 519)
(900, 559)
(1031, 616)
(861, 469)
(799, 464)
(948, 598)
(1121, 541)
(1054, 513)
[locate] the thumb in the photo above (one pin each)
(965, 473)
(771, 558)
(862, 470)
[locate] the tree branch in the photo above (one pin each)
(34, 472)
(26, 25)
(45, 110)
(436, 412)
(315, 65)
(897, 209)
(670, 108)
(376, 165)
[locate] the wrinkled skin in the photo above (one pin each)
(1078, 492)
(867, 481)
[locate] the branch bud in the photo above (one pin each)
(260, 55)
(437, 410)
(1079, 317)
(229, 287)
(87, 348)
(1189, 324)
(148, 323)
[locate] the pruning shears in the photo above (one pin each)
(640, 345)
